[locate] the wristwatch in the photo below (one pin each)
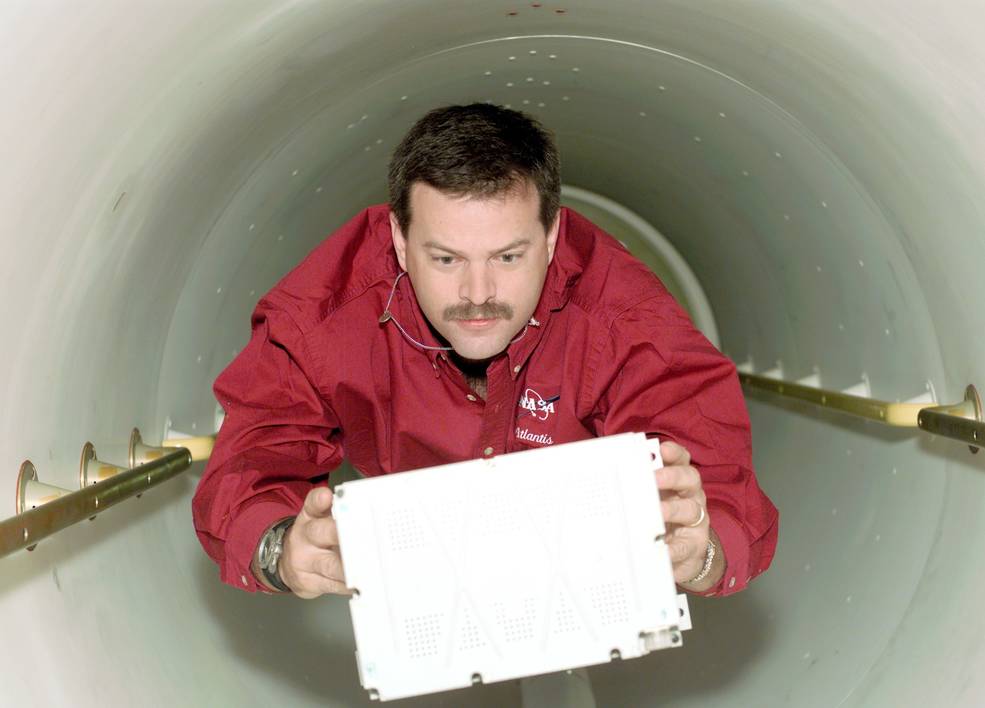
(269, 551)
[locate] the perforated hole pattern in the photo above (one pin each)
(405, 531)
(565, 620)
(609, 601)
(517, 627)
(423, 633)
(469, 635)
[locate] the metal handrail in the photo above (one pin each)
(200, 447)
(31, 526)
(961, 421)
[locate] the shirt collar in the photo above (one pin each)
(562, 275)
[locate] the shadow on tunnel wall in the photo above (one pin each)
(307, 646)
(729, 635)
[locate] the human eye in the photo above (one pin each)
(509, 258)
(443, 260)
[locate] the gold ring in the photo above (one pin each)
(700, 518)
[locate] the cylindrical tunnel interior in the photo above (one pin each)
(817, 167)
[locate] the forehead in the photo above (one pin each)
(462, 219)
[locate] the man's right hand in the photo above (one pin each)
(310, 563)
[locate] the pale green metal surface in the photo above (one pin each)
(165, 163)
(651, 247)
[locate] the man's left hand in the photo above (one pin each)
(683, 504)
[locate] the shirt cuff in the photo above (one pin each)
(243, 535)
(735, 546)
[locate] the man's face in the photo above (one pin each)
(477, 265)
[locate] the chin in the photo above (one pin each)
(477, 349)
(476, 352)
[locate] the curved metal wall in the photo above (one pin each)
(818, 166)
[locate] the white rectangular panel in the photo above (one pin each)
(494, 569)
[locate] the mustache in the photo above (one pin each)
(486, 311)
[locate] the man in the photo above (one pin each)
(473, 317)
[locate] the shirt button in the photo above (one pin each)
(471, 397)
(487, 452)
(516, 369)
(243, 578)
(731, 583)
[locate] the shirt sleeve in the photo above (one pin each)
(656, 373)
(277, 436)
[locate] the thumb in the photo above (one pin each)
(318, 503)
(674, 454)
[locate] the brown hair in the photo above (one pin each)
(479, 150)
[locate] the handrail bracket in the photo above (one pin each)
(961, 421)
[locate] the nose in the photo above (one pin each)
(478, 285)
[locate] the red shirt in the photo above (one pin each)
(608, 350)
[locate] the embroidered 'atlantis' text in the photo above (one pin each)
(524, 434)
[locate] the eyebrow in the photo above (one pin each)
(507, 247)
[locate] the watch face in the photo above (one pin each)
(271, 547)
(272, 544)
(263, 555)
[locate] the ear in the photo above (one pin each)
(399, 241)
(552, 235)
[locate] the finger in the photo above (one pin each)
(673, 454)
(311, 585)
(684, 479)
(334, 587)
(683, 512)
(318, 503)
(680, 551)
(329, 566)
(316, 571)
(323, 533)
(684, 572)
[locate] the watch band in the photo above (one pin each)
(269, 552)
(706, 568)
